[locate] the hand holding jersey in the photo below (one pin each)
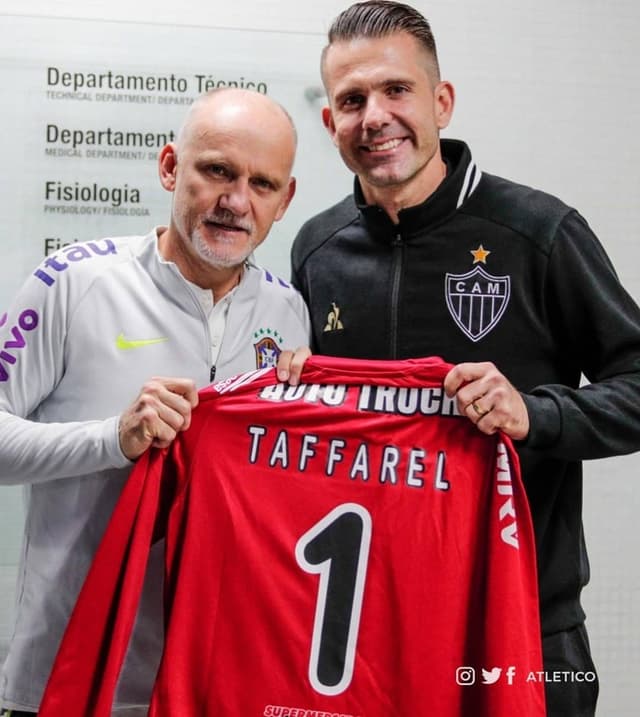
(161, 410)
(488, 399)
(291, 363)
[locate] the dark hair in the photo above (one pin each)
(379, 18)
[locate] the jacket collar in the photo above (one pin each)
(461, 181)
(167, 277)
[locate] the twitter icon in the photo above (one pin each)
(489, 677)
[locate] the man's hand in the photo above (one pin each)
(488, 399)
(163, 407)
(290, 364)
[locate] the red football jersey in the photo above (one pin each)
(351, 547)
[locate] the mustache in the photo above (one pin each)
(228, 218)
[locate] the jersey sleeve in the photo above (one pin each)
(86, 670)
(509, 638)
(32, 347)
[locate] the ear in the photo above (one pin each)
(444, 100)
(286, 200)
(168, 166)
(327, 121)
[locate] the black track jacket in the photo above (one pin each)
(489, 270)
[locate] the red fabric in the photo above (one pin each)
(448, 581)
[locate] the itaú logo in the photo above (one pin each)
(507, 513)
(55, 264)
(27, 321)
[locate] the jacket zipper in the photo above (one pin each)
(395, 292)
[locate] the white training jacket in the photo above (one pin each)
(89, 327)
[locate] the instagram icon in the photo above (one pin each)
(465, 676)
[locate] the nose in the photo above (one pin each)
(236, 197)
(376, 114)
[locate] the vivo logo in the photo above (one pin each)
(27, 321)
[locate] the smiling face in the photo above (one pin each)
(385, 114)
(230, 174)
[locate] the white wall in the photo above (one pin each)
(548, 94)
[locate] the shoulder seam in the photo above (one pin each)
(558, 217)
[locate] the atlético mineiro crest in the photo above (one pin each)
(267, 347)
(477, 300)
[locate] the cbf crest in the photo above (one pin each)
(267, 346)
(477, 300)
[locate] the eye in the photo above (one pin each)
(218, 170)
(353, 101)
(262, 183)
(397, 89)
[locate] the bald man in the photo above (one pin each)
(168, 312)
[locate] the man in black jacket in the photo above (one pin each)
(432, 256)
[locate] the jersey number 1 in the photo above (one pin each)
(336, 548)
